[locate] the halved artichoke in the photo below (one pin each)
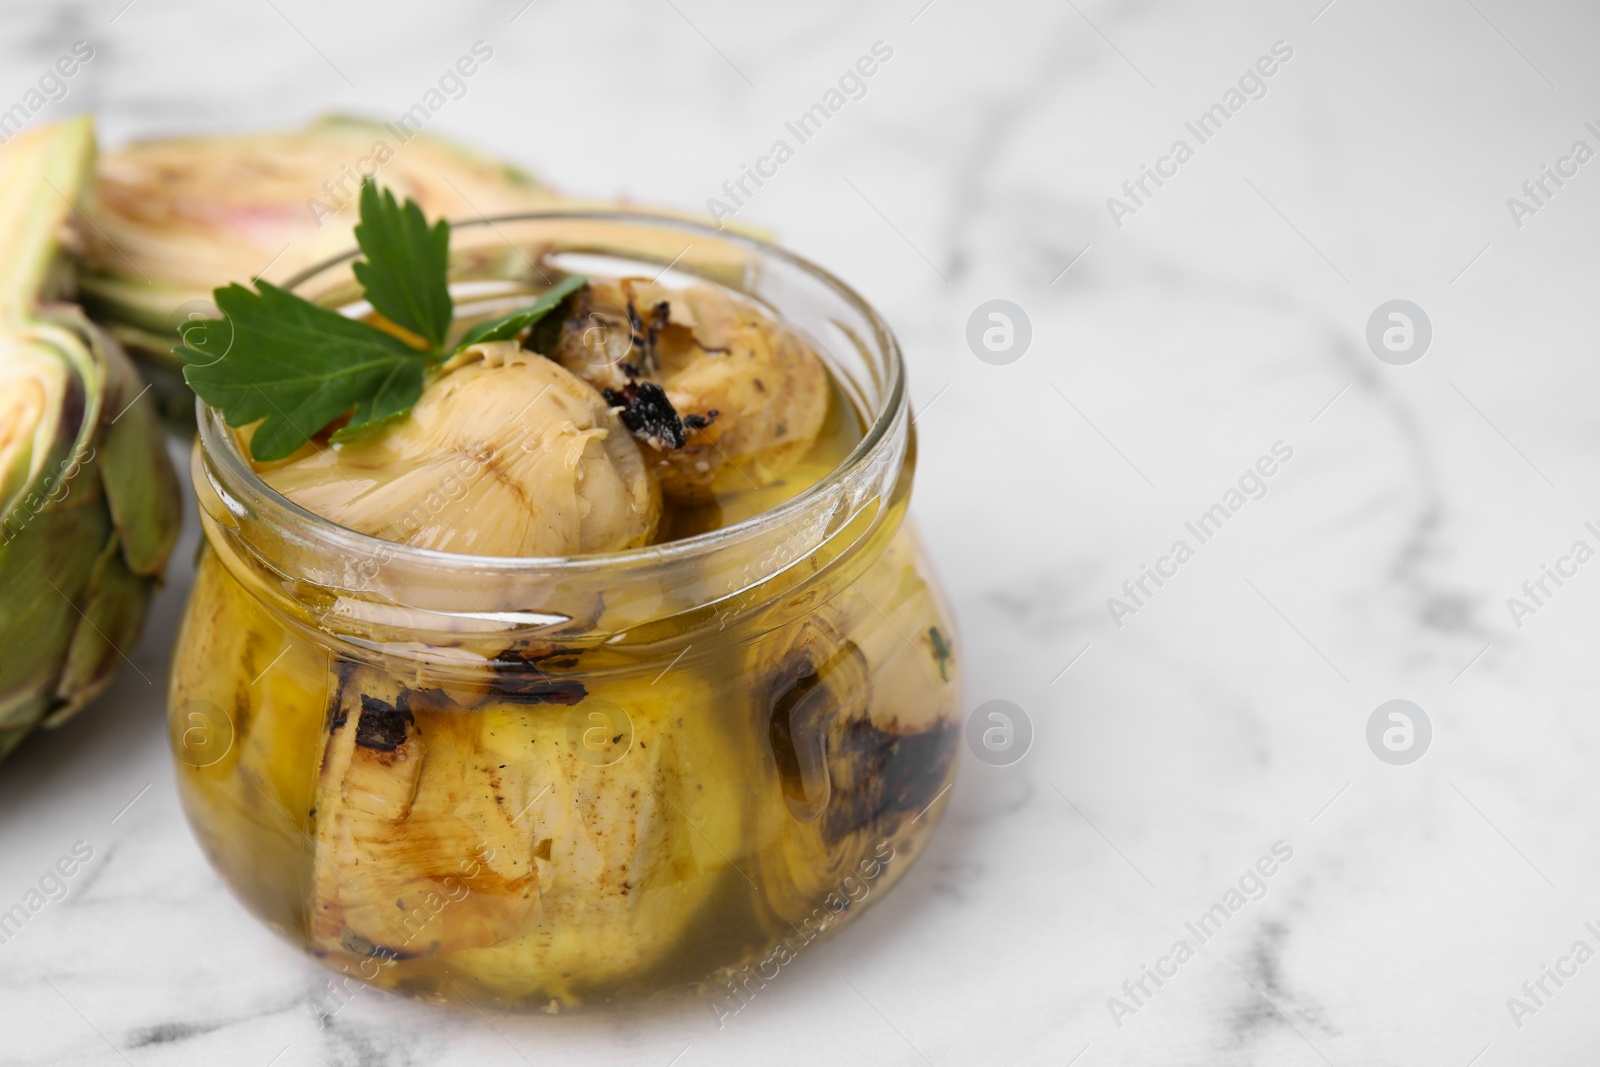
(174, 218)
(89, 506)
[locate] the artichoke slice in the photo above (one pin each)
(393, 850)
(512, 848)
(89, 505)
(505, 454)
(861, 737)
(752, 394)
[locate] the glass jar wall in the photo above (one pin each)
(567, 782)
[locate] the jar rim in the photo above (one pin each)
(221, 447)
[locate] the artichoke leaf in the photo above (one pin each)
(73, 476)
(114, 602)
(143, 496)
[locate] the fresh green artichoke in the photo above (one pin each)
(89, 505)
(173, 219)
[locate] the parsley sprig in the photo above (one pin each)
(295, 367)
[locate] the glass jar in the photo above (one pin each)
(548, 783)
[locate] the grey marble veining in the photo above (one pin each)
(1226, 313)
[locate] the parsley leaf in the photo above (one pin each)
(405, 273)
(294, 367)
(514, 323)
(297, 367)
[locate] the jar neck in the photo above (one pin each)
(369, 589)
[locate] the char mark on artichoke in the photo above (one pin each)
(897, 776)
(543, 692)
(859, 778)
(645, 333)
(383, 725)
(522, 677)
(649, 414)
(515, 659)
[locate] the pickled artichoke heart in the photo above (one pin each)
(89, 503)
(386, 848)
(859, 739)
(752, 395)
(538, 850)
(175, 218)
(249, 698)
(505, 454)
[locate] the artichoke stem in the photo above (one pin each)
(37, 191)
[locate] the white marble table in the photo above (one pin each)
(1226, 312)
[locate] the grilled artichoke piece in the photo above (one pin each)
(89, 506)
(505, 454)
(249, 693)
(536, 850)
(860, 740)
(752, 395)
(398, 856)
(174, 218)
